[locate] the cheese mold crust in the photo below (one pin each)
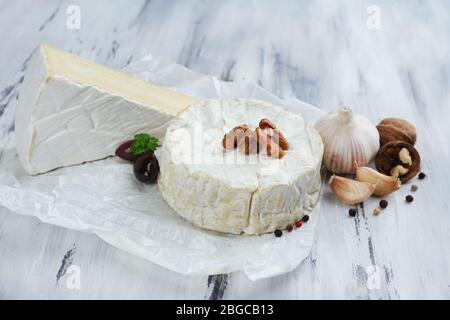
(72, 110)
(227, 191)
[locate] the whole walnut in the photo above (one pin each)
(396, 129)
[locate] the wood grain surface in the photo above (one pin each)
(383, 59)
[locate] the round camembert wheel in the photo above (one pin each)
(228, 191)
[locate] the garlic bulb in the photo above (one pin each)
(348, 139)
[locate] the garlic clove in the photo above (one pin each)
(350, 191)
(384, 184)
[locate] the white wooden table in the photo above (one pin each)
(392, 59)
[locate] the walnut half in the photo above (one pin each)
(399, 159)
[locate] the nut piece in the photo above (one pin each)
(396, 129)
(272, 130)
(398, 171)
(268, 143)
(273, 149)
(405, 157)
(249, 143)
(282, 141)
(266, 123)
(265, 137)
(388, 160)
(242, 127)
(231, 139)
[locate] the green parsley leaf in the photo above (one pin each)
(144, 143)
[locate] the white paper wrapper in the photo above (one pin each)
(103, 197)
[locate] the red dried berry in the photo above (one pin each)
(289, 228)
(298, 223)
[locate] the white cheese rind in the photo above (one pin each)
(31, 88)
(228, 191)
(63, 119)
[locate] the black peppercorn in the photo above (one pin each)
(383, 204)
(305, 218)
(422, 176)
(278, 233)
(409, 198)
(352, 212)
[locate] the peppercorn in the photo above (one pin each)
(352, 212)
(278, 233)
(383, 204)
(413, 187)
(376, 211)
(305, 218)
(422, 176)
(289, 228)
(298, 223)
(409, 198)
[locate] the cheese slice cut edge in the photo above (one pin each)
(86, 72)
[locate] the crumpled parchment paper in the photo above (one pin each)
(103, 197)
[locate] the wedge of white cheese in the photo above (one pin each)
(228, 191)
(71, 110)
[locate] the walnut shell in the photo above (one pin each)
(388, 158)
(396, 129)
